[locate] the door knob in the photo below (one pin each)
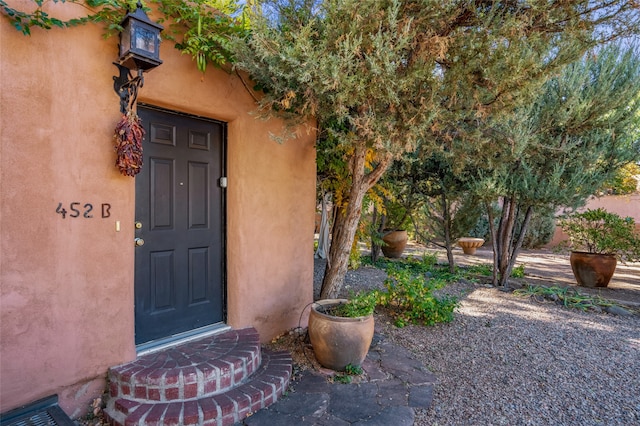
(139, 242)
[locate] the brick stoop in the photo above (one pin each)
(217, 380)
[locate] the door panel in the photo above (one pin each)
(199, 190)
(179, 284)
(160, 193)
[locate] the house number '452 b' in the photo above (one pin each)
(77, 209)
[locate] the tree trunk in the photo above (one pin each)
(494, 244)
(376, 229)
(346, 221)
(446, 219)
(506, 248)
(505, 237)
(515, 248)
(375, 248)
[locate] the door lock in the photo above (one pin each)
(139, 242)
(138, 225)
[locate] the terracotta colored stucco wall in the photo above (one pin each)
(66, 285)
(623, 205)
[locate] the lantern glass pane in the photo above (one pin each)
(144, 39)
(125, 41)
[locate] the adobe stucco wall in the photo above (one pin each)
(66, 295)
(623, 205)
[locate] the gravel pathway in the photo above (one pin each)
(511, 361)
(507, 360)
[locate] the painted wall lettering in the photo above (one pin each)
(74, 210)
(77, 209)
(106, 210)
(88, 207)
(61, 210)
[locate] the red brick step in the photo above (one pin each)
(203, 367)
(232, 378)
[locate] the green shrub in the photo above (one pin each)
(518, 271)
(349, 371)
(411, 301)
(541, 228)
(353, 370)
(408, 293)
(599, 231)
(422, 265)
(483, 269)
(359, 304)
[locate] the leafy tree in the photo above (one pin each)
(540, 231)
(204, 28)
(109, 12)
(625, 181)
(379, 75)
(200, 28)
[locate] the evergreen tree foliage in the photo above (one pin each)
(583, 127)
(436, 190)
(384, 76)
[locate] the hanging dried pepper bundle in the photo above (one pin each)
(128, 137)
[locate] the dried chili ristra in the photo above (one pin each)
(128, 137)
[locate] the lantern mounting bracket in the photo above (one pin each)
(126, 86)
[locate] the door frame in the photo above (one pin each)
(178, 338)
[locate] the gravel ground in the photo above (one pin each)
(507, 360)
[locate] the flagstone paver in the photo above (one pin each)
(395, 384)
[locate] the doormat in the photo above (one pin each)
(44, 412)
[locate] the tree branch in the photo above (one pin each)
(244, 83)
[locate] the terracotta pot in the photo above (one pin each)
(591, 269)
(337, 341)
(394, 243)
(469, 245)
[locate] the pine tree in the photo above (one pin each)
(581, 129)
(380, 76)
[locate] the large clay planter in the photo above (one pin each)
(469, 245)
(394, 243)
(337, 341)
(591, 269)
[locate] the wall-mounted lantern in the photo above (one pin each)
(139, 50)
